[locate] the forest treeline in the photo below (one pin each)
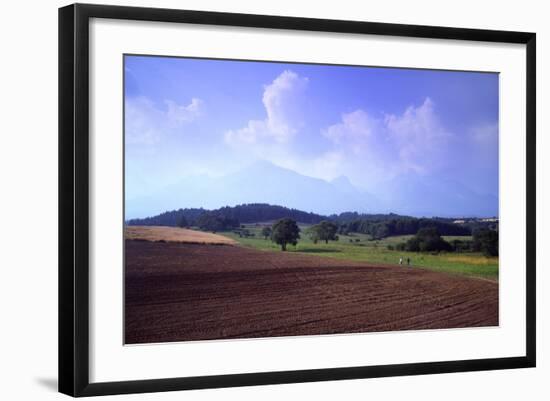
(377, 225)
(386, 226)
(228, 217)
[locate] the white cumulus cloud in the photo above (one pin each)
(184, 113)
(281, 100)
(145, 123)
(418, 135)
(357, 131)
(485, 134)
(393, 143)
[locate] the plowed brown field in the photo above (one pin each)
(181, 292)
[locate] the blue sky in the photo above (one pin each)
(189, 117)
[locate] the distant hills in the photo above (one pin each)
(261, 182)
(248, 213)
(264, 182)
(377, 225)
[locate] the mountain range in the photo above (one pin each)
(264, 182)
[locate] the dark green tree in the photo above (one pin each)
(212, 221)
(325, 231)
(312, 234)
(486, 241)
(182, 222)
(285, 231)
(427, 239)
(381, 231)
(456, 244)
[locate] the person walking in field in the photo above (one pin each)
(408, 261)
(400, 261)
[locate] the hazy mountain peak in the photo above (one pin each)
(343, 183)
(341, 180)
(264, 165)
(265, 182)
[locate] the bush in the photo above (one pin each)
(427, 240)
(486, 241)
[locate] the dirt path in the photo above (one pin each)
(179, 292)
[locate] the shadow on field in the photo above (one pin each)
(319, 250)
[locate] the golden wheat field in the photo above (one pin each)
(175, 234)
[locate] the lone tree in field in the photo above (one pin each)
(325, 231)
(266, 232)
(313, 235)
(182, 222)
(285, 231)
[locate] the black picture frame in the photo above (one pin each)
(74, 201)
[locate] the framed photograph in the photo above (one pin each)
(251, 199)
